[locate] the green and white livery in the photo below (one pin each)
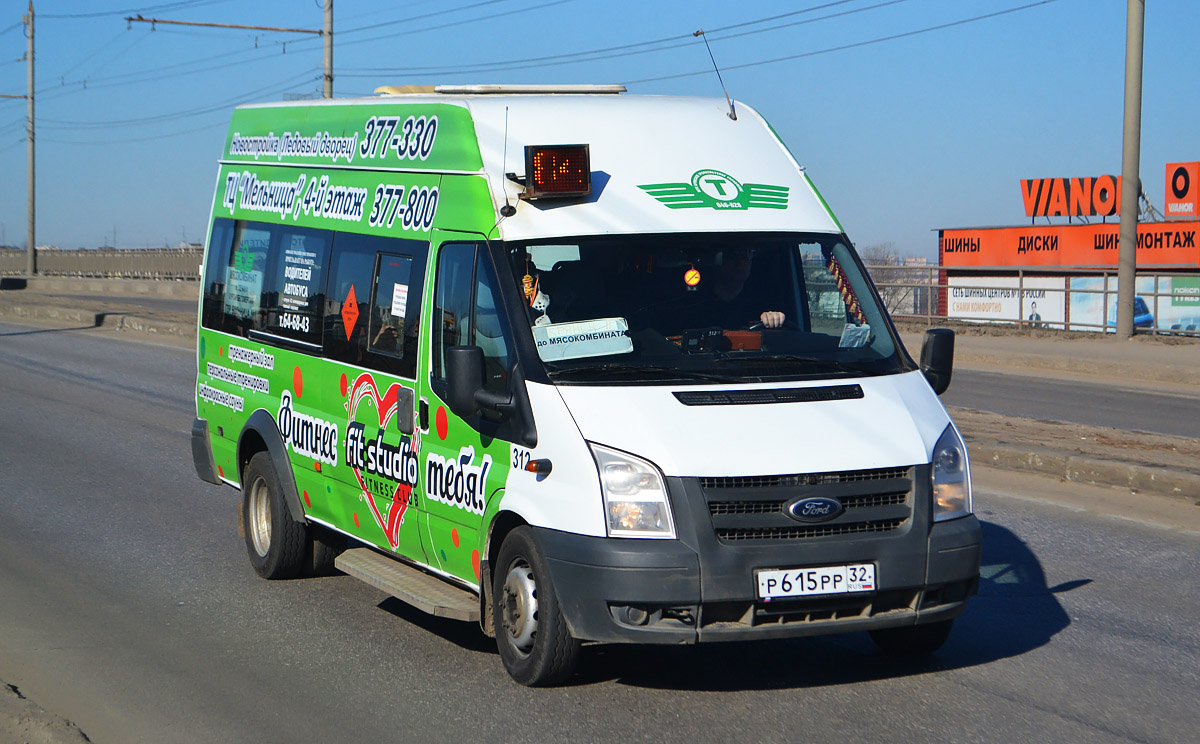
(574, 365)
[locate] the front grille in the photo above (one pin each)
(804, 479)
(805, 533)
(755, 508)
(721, 508)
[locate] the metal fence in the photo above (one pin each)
(1170, 300)
(112, 263)
(1073, 298)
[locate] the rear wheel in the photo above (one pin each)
(276, 543)
(531, 634)
(913, 640)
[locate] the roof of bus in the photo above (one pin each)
(658, 163)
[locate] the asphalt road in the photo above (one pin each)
(127, 605)
(1077, 401)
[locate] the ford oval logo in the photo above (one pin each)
(815, 509)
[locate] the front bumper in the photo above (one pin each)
(698, 588)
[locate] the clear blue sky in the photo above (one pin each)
(902, 136)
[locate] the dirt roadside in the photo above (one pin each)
(23, 721)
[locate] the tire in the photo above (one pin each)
(276, 543)
(531, 634)
(913, 640)
(324, 545)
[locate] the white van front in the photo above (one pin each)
(757, 463)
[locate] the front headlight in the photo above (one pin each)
(635, 496)
(951, 477)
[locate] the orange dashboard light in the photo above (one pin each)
(557, 170)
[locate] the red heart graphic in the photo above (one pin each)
(386, 406)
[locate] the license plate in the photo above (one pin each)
(811, 582)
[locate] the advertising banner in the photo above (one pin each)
(1003, 299)
(1182, 193)
(1177, 306)
(1071, 197)
(1160, 244)
(383, 136)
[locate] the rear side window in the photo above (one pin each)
(293, 296)
(243, 305)
(373, 303)
(216, 269)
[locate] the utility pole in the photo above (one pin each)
(328, 35)
(1130, 167)
(327, 32)
(31, 248)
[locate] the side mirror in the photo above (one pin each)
(464, 376)
(405, 420)
(465, 393)
(937, 358)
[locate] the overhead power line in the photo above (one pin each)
(465, 21)
(844, 47)
(423, 16)
(160, 118)
(179, 5)
(624, 50)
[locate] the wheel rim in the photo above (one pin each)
(519, 606)
(259, 509)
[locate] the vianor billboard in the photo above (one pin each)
(998, 278)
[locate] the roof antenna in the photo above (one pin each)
(732, 111)
(507, 210)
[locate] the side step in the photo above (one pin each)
(410, 585)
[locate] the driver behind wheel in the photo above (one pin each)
(721, 299)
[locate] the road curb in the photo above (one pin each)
(92, 319)
(1094, 471)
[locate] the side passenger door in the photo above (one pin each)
(372, 326)
(465, 460)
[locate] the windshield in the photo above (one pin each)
(722, 307)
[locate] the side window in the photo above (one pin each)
(215, 271)
(373, 302)
(393, 329)
(488, 329)
(467, 314)
(452, 302)
(243, 300)
(826, 309)
(293, 297)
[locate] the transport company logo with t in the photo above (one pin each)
(396, 463)
(713, 189)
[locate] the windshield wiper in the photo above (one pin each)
(658, 369)
(798, 359)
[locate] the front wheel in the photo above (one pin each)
(531, 634)
(276, 543)
(913, 640)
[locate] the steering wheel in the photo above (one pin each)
(787, 324)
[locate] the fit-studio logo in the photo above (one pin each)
(713, 189)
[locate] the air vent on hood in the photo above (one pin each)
(778, 395)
